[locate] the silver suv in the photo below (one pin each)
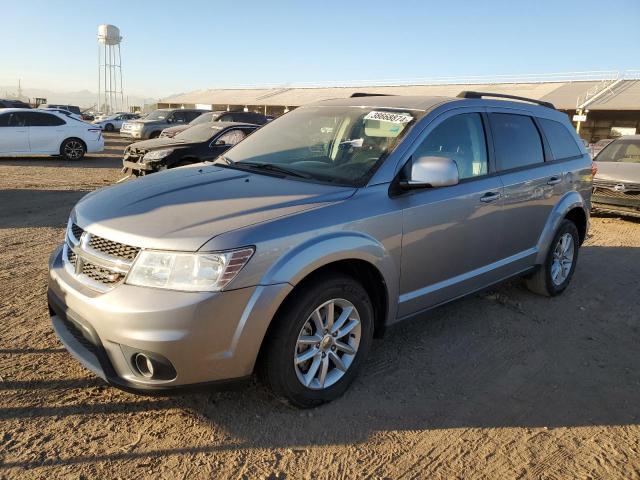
(290, 253)
(152, 125)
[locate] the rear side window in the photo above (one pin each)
(192, 115)
(560, 139)
(39, 119)
(516, 141)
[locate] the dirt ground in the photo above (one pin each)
(503, 384)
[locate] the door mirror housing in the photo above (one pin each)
(431, 172)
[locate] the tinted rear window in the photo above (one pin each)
(560, 139)
(39, 119)
(516, 141)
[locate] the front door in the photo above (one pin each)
(14, 134)
(451, 235)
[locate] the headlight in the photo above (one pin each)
(157, 154)
(192, 272)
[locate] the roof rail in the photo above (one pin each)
(470, 94)
(364, 94)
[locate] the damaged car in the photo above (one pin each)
(194, 145)
(616, 186)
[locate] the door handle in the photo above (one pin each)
(554, 181)
(490, 197)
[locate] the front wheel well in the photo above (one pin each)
(579, 219)
(361, 271)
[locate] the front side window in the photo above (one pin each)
(516, 141)
(561, 141)
(626, 151)
(342, 145)
(204, 118)
(157, 115)
(462, 139)
(231, 137)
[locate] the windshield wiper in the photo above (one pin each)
(272, 167)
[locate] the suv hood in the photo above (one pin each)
(184, 208)
(160, 142)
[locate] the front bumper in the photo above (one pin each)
(132, 133)
(207, 337)
(617, 203)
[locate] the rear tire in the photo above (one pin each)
(553, 277)
(73, 149)
(303, 329)
(154, 135)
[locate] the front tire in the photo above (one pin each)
(319, 341)
(554, 276)
(72, 149)
(109, 127)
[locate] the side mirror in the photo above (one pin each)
(170, 120)
(431, 171)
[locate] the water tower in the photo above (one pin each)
(110, 96)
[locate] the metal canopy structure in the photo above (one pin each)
(602, 91)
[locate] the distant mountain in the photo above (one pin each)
(82, 98)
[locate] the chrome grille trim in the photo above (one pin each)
(96, 266)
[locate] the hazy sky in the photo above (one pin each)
(176, 46)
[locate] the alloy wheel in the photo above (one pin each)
(73, 149)
(327, 344)
(562, 261)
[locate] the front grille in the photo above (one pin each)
(113, 249)
(71, 257)
(76, 231)
(605, 192)
(97, 262)
(628, 186)
(101, 275)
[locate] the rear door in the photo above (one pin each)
(46, 132)
(14, 134)
(532, 182)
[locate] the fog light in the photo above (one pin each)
(144, 365)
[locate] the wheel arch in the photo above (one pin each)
(571, 206)
(84, 144)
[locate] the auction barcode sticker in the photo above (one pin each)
(388, 117)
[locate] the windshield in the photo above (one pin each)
(334, 144)
(198, 133)
(157, 115)
(627, 151)
(205, 118)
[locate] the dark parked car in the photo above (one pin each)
(221, 116)
(6, 103)
(71, 108)
(196, 144)
(616, 186)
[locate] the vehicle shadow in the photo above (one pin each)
(500, 358)
(110, 158)
(20, 208)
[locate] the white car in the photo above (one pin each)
(41, 132)
(113, 122)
